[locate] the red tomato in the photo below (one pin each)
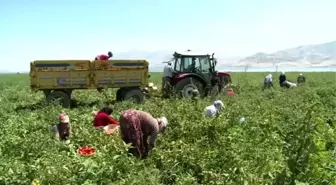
(86, 150)
(230, 92)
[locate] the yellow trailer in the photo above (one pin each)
(58, 78)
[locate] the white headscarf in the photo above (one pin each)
(164, 123)
(283, 72)
(218, 104)
(300, 74)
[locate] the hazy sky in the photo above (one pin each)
(81, 29)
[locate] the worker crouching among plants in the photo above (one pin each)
(62, 129)
(141, 130)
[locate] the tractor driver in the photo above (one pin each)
(191, 67)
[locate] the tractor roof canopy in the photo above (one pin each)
(191, 53)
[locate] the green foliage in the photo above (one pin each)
(283, 142)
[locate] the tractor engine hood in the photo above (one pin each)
(223, 73)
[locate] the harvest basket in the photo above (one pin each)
(110, 129)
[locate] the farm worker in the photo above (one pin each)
(62, 129)
(268, 82)
(167, 73)
(195, 94)
(282, 79)
(191, 67)
(301, 78)
(103, 118)
(214, 109)
(141, 130)
(290, 84)
(104, 57)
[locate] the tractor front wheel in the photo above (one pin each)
(186, 86)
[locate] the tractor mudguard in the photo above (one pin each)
(181, 76)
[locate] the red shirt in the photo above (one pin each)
(103, 57)
(103, 119)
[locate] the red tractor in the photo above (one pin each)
(194, 71)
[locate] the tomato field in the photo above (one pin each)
(289, 137)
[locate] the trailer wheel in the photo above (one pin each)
(134, 95)
(120, 94)
(64, 98)
(46, 93)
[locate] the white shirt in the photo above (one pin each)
(210, 111)
(291, 84)
(167, 71)
(268, 78)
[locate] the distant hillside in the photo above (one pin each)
(155, 58)
(317, 55)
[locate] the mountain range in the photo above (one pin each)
(308, 55)
(320, 55)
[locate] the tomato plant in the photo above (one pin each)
(288, 138)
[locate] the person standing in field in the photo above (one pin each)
(141, 130)
(301, 79)
(282, 79)
(62, 129)
(104, 57)
(214, 109)
(268, 82)
(166, 78)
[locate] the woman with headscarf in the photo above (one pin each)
(103, 118)
(141, 130)
(62, 129)
(282, 79)
(214, 109)
(301, 79)
(268, 82)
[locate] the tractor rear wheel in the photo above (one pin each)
(186, 86)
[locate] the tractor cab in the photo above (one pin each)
(194, 71)
(200, 64)
(192, 62)
(191, 71)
